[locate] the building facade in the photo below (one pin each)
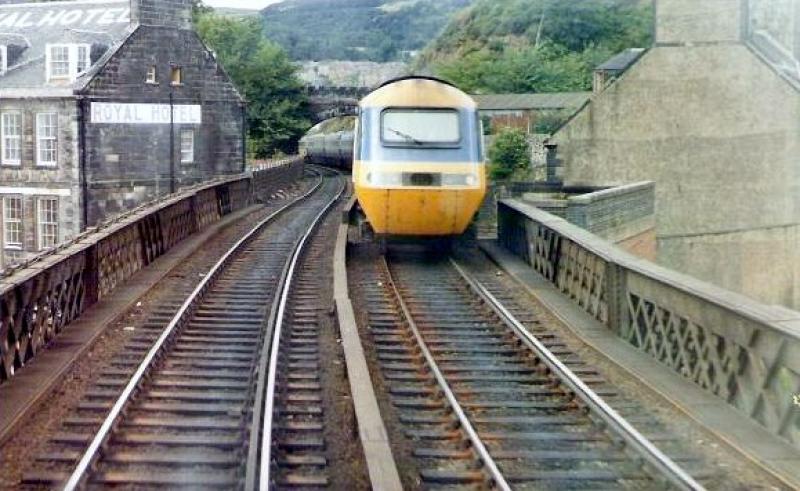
(105, 105)
(713, 117)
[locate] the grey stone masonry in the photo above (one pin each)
(105, 105)
(129, 163)
(167, 13)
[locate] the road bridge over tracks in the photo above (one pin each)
(242, 334)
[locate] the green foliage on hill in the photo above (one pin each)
(375, 30)
(508, 153)
(536, 45)
(277, 108)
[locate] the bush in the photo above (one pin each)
(509, 152)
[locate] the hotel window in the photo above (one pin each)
(46, 139)
(48, 222)
(3, 58)
(187, 146)
(151, 75)
(12, 222)
(82, 60)
(67, 61)
(11, 130)
(177, 75)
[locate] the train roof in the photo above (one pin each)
(418, 91)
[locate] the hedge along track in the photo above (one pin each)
(485, 403)
(184, 418)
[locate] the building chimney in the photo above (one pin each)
(163, 13)
(682, 22)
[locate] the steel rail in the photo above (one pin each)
(277, 329)
(136, 379)
(466, 424)
(671, 471)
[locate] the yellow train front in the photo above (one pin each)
(418, 166)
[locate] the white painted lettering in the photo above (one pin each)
(119, 113)
(71, 17)
(23, 21)
(90, 15)
(125, 16)
(10, 20)
(50, 18)
(107, 17)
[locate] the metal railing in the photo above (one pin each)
(744, 352)
(39, 299)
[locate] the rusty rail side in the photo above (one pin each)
(41, 297)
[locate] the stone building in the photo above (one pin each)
(105, 105)
(711, 113)
(523, 111)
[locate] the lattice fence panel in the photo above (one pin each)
(240, 194)
(177, 222)
(581, 275)
(755, 369)
(544, 250)
(35, 311)
(207, 208)
(119, 256)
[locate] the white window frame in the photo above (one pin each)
(4, 61)
(5, 138)
(73, 51)
(40, 138)
(41, 223)
(175, 69)
(187, 152)
(13, 245)
(152, 75)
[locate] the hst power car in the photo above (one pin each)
(418, 166)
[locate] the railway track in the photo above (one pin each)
(185, 417)
(481, 402)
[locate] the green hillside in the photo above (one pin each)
(376, 30)
(536, 45)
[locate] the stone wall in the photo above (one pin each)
(131, 163)
(32, 181)
(718, 130)
(623, 215)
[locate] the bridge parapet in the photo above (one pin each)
(40, 297)
(742, 351)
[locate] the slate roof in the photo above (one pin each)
(547, 100)
(621, 61)
(27, 28)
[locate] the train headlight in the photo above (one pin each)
(471, 180)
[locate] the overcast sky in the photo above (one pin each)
(240, 4)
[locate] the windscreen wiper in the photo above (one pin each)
(405, 136)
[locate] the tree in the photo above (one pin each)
(277, 108)
(509, 152)
(536, 45)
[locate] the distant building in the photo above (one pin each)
(611, 70)
(524, 110)
(104, 105)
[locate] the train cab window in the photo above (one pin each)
(420, 127)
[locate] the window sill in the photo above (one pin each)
(147, 82)
(173, 84)
(47, 166)
(11, 164)
(13, 248)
